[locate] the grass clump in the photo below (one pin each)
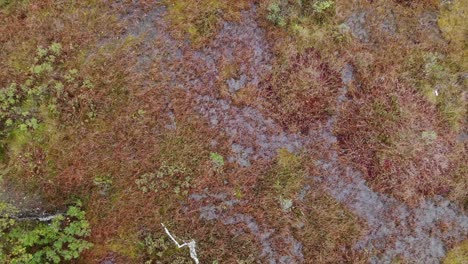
(324, 226)
(288, 173)
(61, 240)
(459, 186)
(407, 105)
(439, 79)
(181, 158)
(287, 176)
(458, 254)
(302, 91)
(200, 20)
(282, 13)
(403, 147)
(9, 5)
(329, 230)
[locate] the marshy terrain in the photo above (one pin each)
(266, 131)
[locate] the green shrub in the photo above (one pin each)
(21, 104)
(103, 183)
(275, 16)
(441, 83)
(298, 12)
(217, 160)
(323, 6)
(61, 240)
(167, 176)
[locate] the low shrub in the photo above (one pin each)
(61, 240)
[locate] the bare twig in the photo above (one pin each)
(191, 245)
(44, 218)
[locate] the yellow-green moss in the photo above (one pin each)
(458, 255)
(127, 247)
(199, 20)
(288, 173)
(453, 21)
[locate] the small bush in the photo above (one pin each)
(61, 240)
(322, 6)
(167, 176)
(275, 16)
(104, 183)
(22, 104)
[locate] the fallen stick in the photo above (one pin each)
(40, 218)
(191, 245)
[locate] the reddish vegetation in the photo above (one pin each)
(150, 114)
(381, 130)
(301, 91)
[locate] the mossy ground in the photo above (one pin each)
(402, 135)
(458, 254)
(198, 21)
(325, 227)
(405, 85)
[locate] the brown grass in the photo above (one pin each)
(198, 21)
(384, 132)
(381, 127)
(301, 91)
(386, 128)
(325, 228)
